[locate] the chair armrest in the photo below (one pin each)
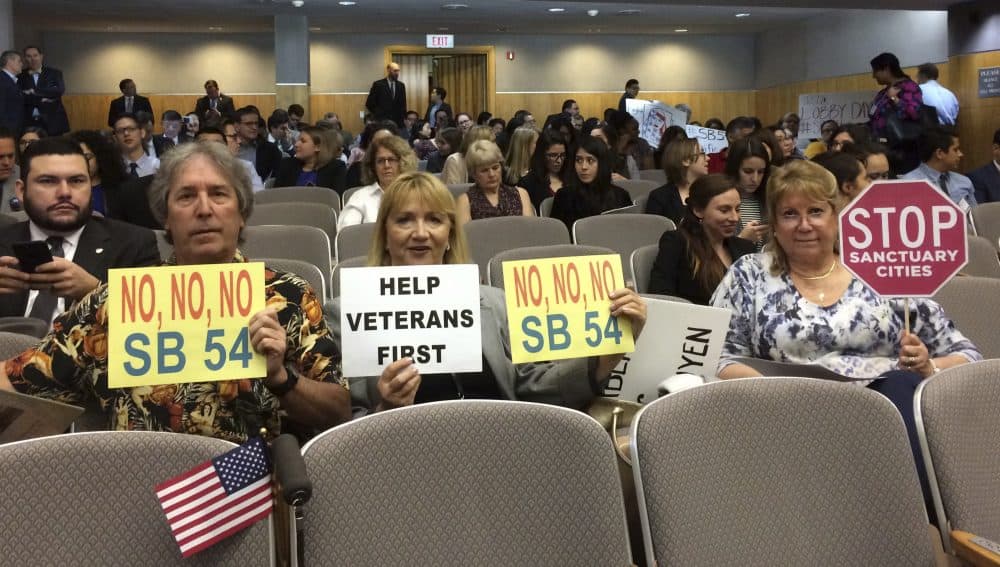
(290, 470)
(975, 554)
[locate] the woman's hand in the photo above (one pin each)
(397, 386)
(627, 302)
(754, 231)
(913, 355)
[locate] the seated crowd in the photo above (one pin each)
(756, 234)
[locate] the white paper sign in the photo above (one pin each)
(654, 118)
(428, 313)
(712, 141)
(678, 338)
(843, 108)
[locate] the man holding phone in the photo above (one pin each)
(54, 188)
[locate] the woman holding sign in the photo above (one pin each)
(795, 303)
(417, 225)
(692, 259)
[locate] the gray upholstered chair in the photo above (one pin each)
(306, 243)
(303, 269)
(778, 471)
(986, 219)
(24, 326)
(296, 214)
(657, 176)
(12, 344)
(495, 273)
(641, 262)
(354, 240)
(88, 498)
(956, 413)
(319, 195)
(458, 189)
(545, 207)
(489, 237)
(465, 483)
(346, 197)
(355, 262)
(636, 187)
(622, 233)
(166, 249)
(983, 261)
(971, 303)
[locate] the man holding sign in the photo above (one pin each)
(203, 197)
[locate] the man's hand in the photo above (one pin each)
(12, 280)
(63, 279)
(267, 337)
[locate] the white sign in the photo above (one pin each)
(842, 108)
(711, 141)
(428, 313)
(678, 338)
(440, 41)
(654, 118)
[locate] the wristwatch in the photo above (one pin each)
(287, 386)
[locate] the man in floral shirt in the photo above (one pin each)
(203, 197)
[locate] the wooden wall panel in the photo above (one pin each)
(704, 105)
(347, 106)
(464, 79)
(91, 111)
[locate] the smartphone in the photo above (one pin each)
(32, 254)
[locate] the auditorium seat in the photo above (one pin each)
(307, 271)
(458, 189)
(88, 498)
(297, 214)
(983, 260)
(641, 202)
(779, 471)
(971, 303)
(986, 219)
(956, 412)
(469, 482)
(545, 207)
(488, 237)
(306, 243)
(636, 187)
(622, 233)
(495, 269)
(641, 264)
(166, 249)
(24, 326)
(657, 176)
(354, 262)
(354, 240)
(321, 195)
(346, 197)
(12, 344)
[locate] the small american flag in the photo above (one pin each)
(219, 497)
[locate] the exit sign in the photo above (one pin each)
(441, 41)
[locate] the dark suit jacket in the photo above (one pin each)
(129, 202)
(672, 275)
(117, 108)
(332, 175)
(665, 201)
(161, 144)
(104, 244)
(50, 86)
(383, 105)
(444, 106)
(225, 107)
(986, 181)
(268, 159)
(11, 104)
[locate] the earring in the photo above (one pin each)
(447, 247)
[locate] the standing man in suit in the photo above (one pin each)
(43, 89)
(214, 106)
(8, 172)
(11, 97)
(437, 104)
(128, 103)
(55, 189)
(387, 97)
(986, 179)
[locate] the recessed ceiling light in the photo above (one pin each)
(680, 30)
(557, 10)
(442, 29)
(346, 3)
(454, 6)
(629, 12)
(214, 28)
(315, 28)
(743, 15)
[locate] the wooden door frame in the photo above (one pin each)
(488, 50)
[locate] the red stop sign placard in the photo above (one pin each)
(903, 238)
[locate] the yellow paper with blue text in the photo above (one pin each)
(176, 324)
(559, 308)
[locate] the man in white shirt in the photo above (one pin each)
(937, 96)
(130, 137)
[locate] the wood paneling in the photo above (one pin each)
(704, 105)
(90, 112)
(464, 79)
(347, 106)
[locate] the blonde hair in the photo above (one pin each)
(674, 156)
(519, 153)
(475, 134)
(799, 177)
(429, 190)
(396, 145)
(481, 154)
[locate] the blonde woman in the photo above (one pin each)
(489, 196)
(455, 171)
(522, 146)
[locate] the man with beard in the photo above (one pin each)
(54, 189)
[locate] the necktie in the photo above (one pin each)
(45, 303)
(34, 77)
(943, 182)
(392, 88)
(133, 169)
(128, 104)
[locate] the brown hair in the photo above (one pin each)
(396, 145)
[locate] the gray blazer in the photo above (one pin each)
(565, 382)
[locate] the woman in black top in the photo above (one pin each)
(316, 162)
(588, 190)
(548, 167)
(693, 259)
(684, 163)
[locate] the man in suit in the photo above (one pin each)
(214, 106)
(55, 190)
(8, 172)
(11, 97)
(129, 102)
(43, 89)
(986, 179)
(437, 104)
(254, 147)
(171, 121)
(387, 97)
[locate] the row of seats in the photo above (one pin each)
(743, 472)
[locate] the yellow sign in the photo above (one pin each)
(559, 308)
(175, 324)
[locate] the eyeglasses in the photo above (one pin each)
(556, 157)
(386, 161)
(126, 130)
